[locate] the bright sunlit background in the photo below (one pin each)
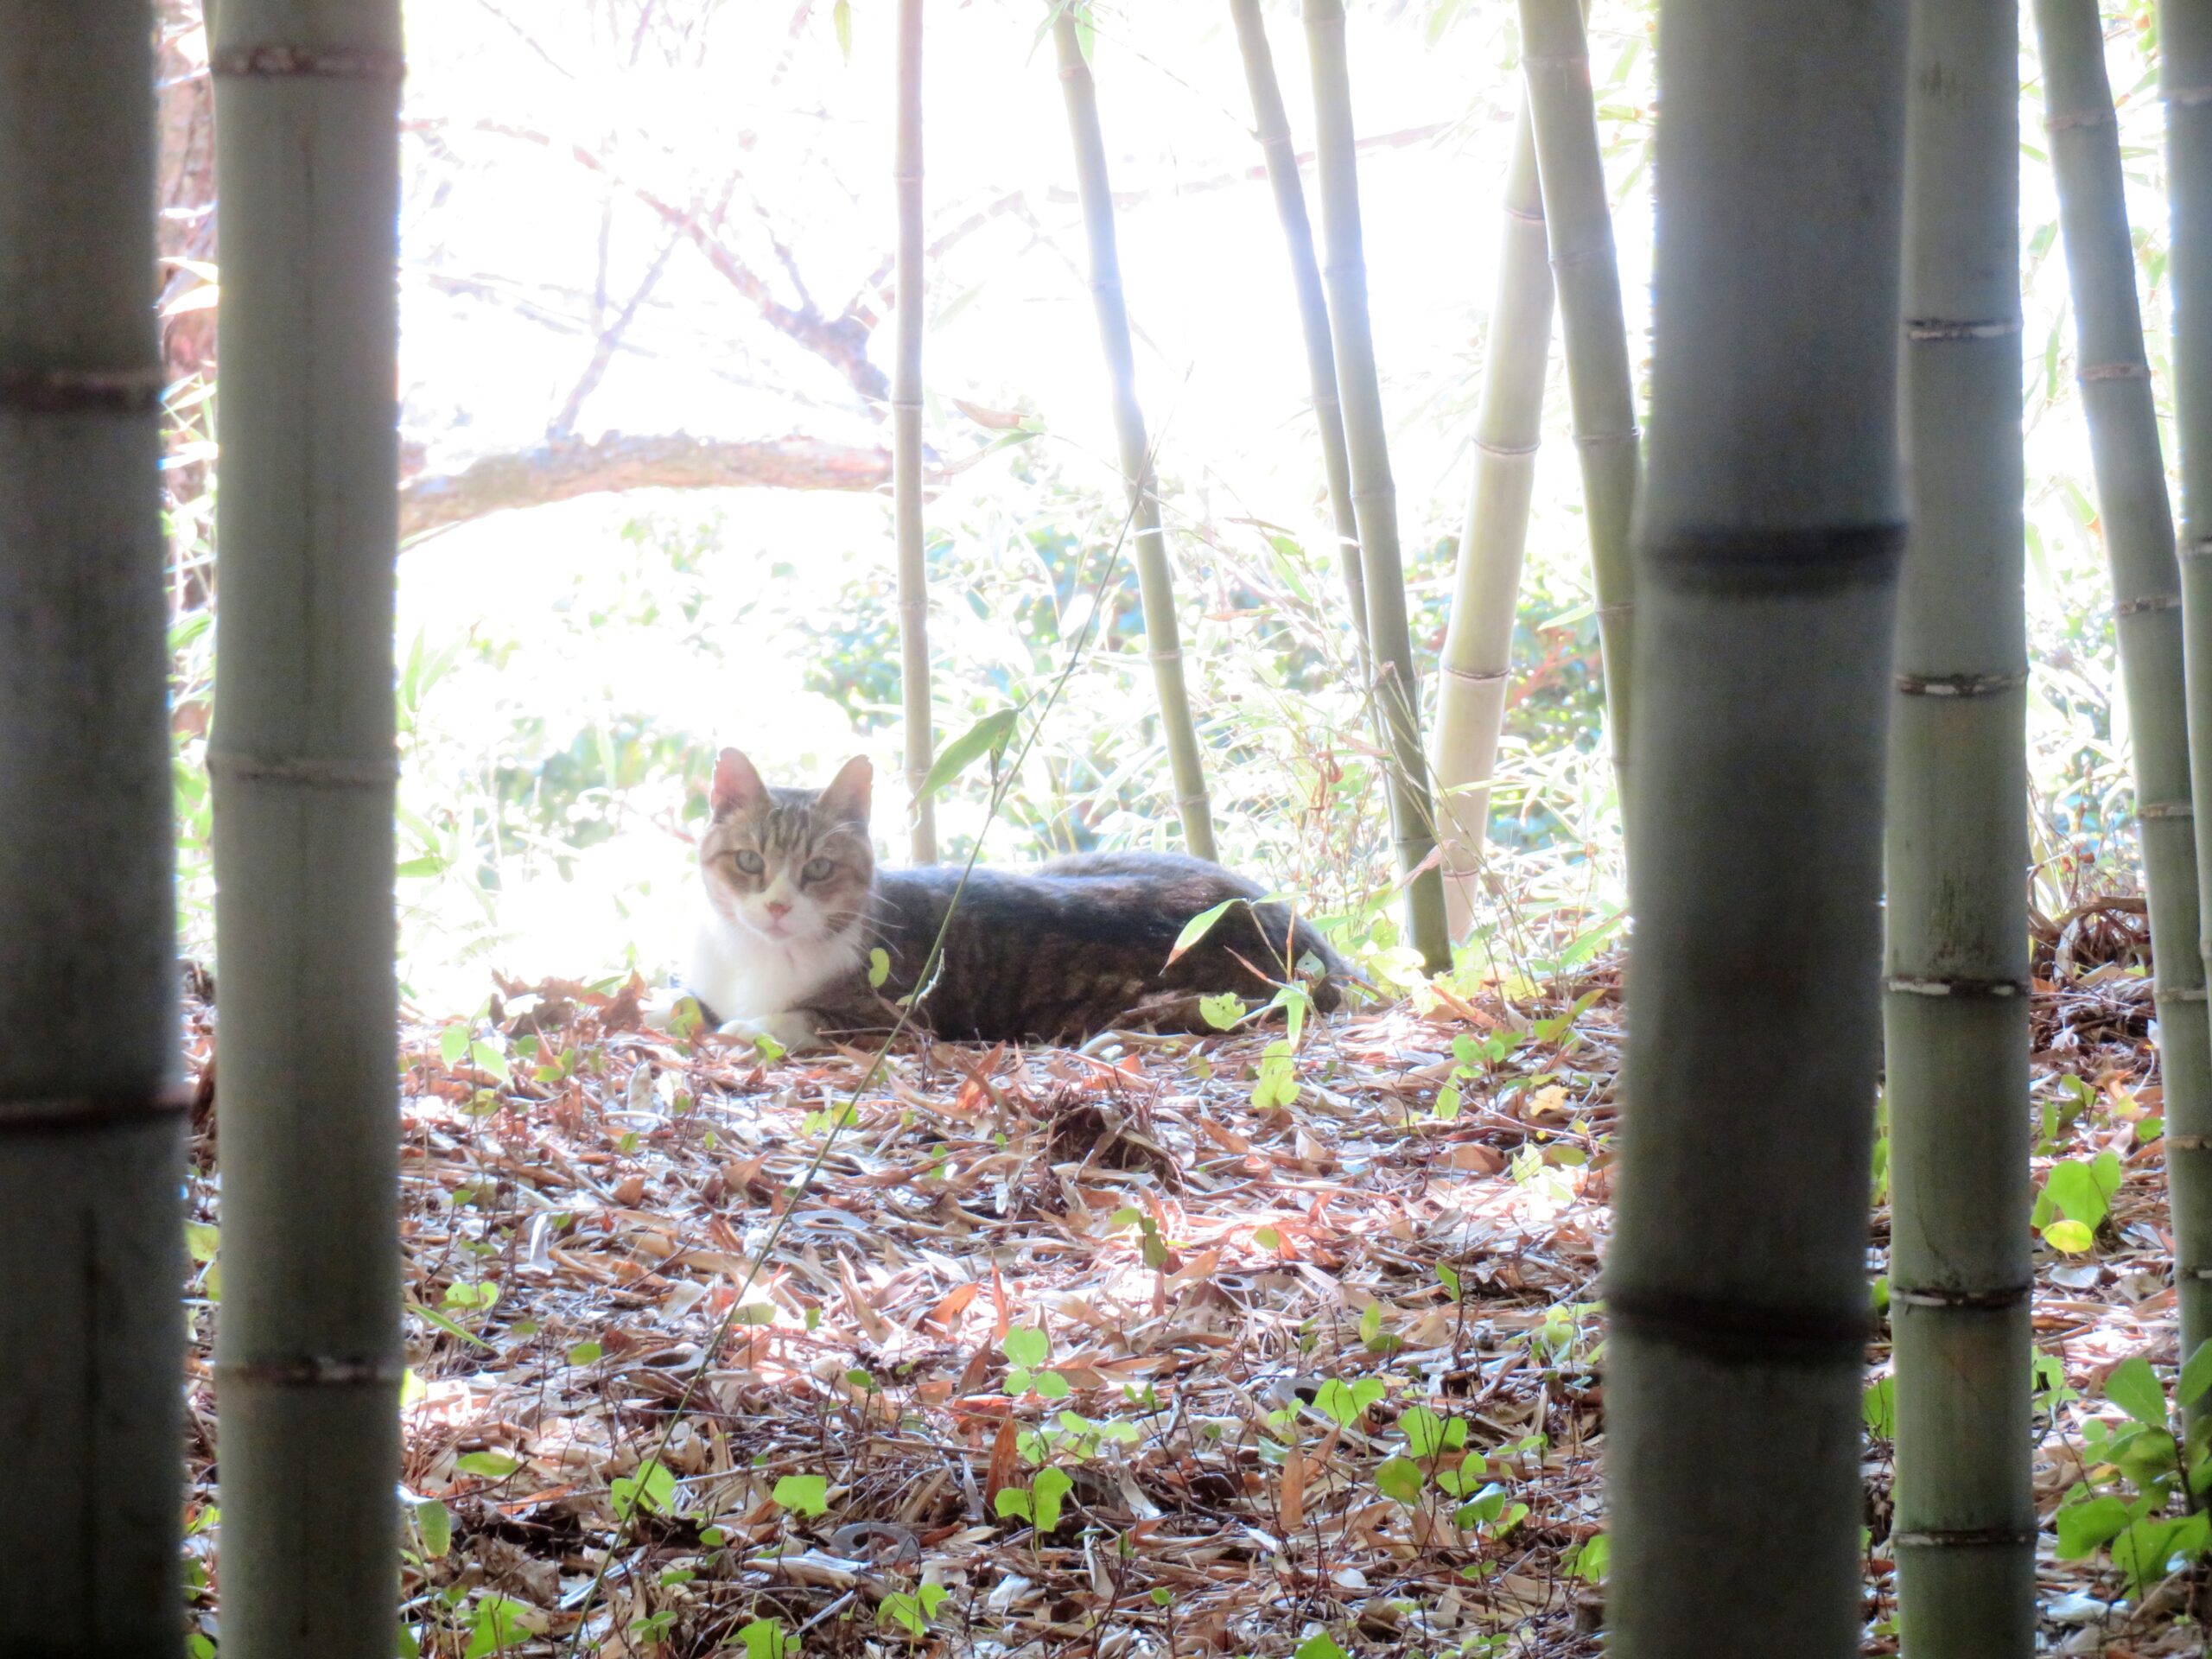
(653, 217)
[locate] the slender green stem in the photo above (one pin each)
(2138, 524)
(1155, 583)
(1477, 656)
(1272, 128)
(1768, 528)
(1579, 214)
(309, 1356)
(1957, 945)
(906, 440)
(90, 1129)
(2185, 77)
(1374, 495)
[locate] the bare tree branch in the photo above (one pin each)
(561, 469)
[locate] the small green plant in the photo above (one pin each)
(1039, 1503)
(1028, 1350)
(2077, 1196)
(802, 1494)
(2151, 1467)
(765, 1638)
(912, 1611)
(651, 1491)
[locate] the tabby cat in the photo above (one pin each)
(797, 908)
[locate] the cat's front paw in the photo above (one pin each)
(791, 1032)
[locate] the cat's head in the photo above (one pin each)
(792, 866)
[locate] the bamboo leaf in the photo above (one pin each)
(841, 16)
(988, 735)
(1199, 926)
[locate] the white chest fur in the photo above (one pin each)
(743, 977)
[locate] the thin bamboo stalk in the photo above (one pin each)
(2137, 519)
(90, 1138)
(1577, 213)
(1374, 496)
(1272, 128)
(1155, 582)
(906, 441)
(1957, 924)
(1770, 527)
(1477, 656)
(308, 1358)
(2185, 80)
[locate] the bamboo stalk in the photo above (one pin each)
(90, 1129)
(906, 441)
(2132, 506)
(1477, 656)
(1374, 496)
(1155, 582)
(310, 1357)
(1577, 213)
(1769, 530)
(1272, 128)
(2185, 81)
(1957, 946)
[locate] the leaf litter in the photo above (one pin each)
(1079, 1351)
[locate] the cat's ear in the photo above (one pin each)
(846, 800)
(737, 786)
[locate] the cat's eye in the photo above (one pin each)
(818, 869)
(751, 862)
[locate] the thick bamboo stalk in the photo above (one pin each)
(1578, 213)
(1769, 528)
(2137, 525)
(1957, 923)
(1155, 582)
(91, 1232)
(1272, 128)
(1374, 496)
(906, 441)
(301, 752)
(2185, 80)
(1477, 656)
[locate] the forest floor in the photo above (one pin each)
(1172, 1347)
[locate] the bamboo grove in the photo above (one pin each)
(1812, 577)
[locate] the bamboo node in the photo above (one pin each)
(1959, 685)
(1619, 607)
(2165, 809)
(2187, 1142)
(1594, 440)
(1785, 558)
(1202, 800)
(48, 1114)
(1521, 215)
(2097, 372)
(2188, 96)
(1476, 676)
(2193, 1272)
(1967, 1538)
(1961, 328)
(309, 772)
(277, 61)
(2096, 116)
(1953, 985)
(310, 1372)
(2200, 548)
(1734, 1333)
(1505, 451)
(1995, 1299)
(81, 392)
(2147, 602)
(2176, 993)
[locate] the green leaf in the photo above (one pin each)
(1424, 1432)
(2142, 1551)
(1267, 1238)
(808, 1494)
(1880, 1407)
(490, 1060)
(490, 1466)
(988, 735)
(452, 1043)
(2134, 1388)
(434, 1527)
(2085, 1528)
(498, 1626)
(1400, 1479)
(2195, 1375)
(1222, 1012)
(653, 1489)
(764, 1638)
(1449, 1278)
(2071, 1237)
(471, 1298)
(1046, 1491)
(1026, 1346)
(1199, 925)
(1319, 1647)
(585, 1353)
(841, 16)
(2074, 1188)
(1588, 1563)
(431, 1316)
(1051, 1385)
(1448, 1103)
(1012, 1504)
(878, 966)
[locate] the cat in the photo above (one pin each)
(797, 911)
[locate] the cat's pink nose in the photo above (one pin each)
(776, 910)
